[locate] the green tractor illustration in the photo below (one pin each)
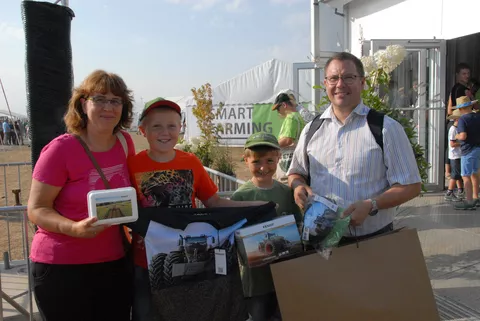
(324, 224)
(195, 248)
(190, 259)
(273, 244)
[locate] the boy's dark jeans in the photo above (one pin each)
(143, 309)
(83, 292)
(263, 308)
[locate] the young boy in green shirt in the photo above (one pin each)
(262, 154)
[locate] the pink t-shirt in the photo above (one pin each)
(64, 163)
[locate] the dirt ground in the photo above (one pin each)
(19, 177)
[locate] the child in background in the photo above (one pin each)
(454, 154)
(262, 154)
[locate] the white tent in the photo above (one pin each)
(181, 101)
(5, 113)
(259, 85)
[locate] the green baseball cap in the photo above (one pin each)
(159, 103)
(262, 139)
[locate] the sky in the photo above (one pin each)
(164, 47)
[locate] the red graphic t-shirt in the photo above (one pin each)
(172, 184)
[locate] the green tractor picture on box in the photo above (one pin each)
(269, 241)
(188, 257)
(273, 244)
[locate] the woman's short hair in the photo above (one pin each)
(102, 82)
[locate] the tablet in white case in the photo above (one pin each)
(113, 206)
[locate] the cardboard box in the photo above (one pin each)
(266, 242)
(383, 278)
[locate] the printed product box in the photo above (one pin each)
(266, 242)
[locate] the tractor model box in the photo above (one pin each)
(264, 243)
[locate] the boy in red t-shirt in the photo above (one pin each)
(166, 177)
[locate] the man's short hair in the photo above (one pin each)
(346, 56)
(462, 66)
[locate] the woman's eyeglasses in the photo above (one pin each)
(103, 102)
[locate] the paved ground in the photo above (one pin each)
(451, 246)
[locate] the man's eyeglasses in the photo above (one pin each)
(103, 102)
(347, 79)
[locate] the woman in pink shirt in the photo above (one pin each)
(79, 270)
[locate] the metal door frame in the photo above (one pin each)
(316, 66)
(436, 114)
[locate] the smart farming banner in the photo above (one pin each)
(239, 122)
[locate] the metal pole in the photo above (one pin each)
(29, 273)
(15, 305)
(3, 295)
(315, 48)
(1, 302)
(5, 185)
(8, 235)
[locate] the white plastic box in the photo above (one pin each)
(113, 206)
(266, 242)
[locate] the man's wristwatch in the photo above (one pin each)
(374, 210)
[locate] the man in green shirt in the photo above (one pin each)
(262, 153)
(289, 134)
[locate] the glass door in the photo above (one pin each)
(417, 88)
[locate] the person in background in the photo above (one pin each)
(305, 113)
(79, 269)
(289, 134)
(474, 89)
(468, 129)
(454, 154)
(7, 132)
(461, 88)
(2, 136)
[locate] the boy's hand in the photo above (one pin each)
(301, 194)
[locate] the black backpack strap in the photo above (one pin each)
(314, 126)
(375, 122)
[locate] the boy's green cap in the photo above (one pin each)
(160, 102)
(262, 139)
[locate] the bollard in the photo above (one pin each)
(6, 261)
(17, 196)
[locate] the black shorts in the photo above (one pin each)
(455, 169)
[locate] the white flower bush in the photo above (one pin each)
(180, 146)
(387, 59)
(369, 64)
(195, 141)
